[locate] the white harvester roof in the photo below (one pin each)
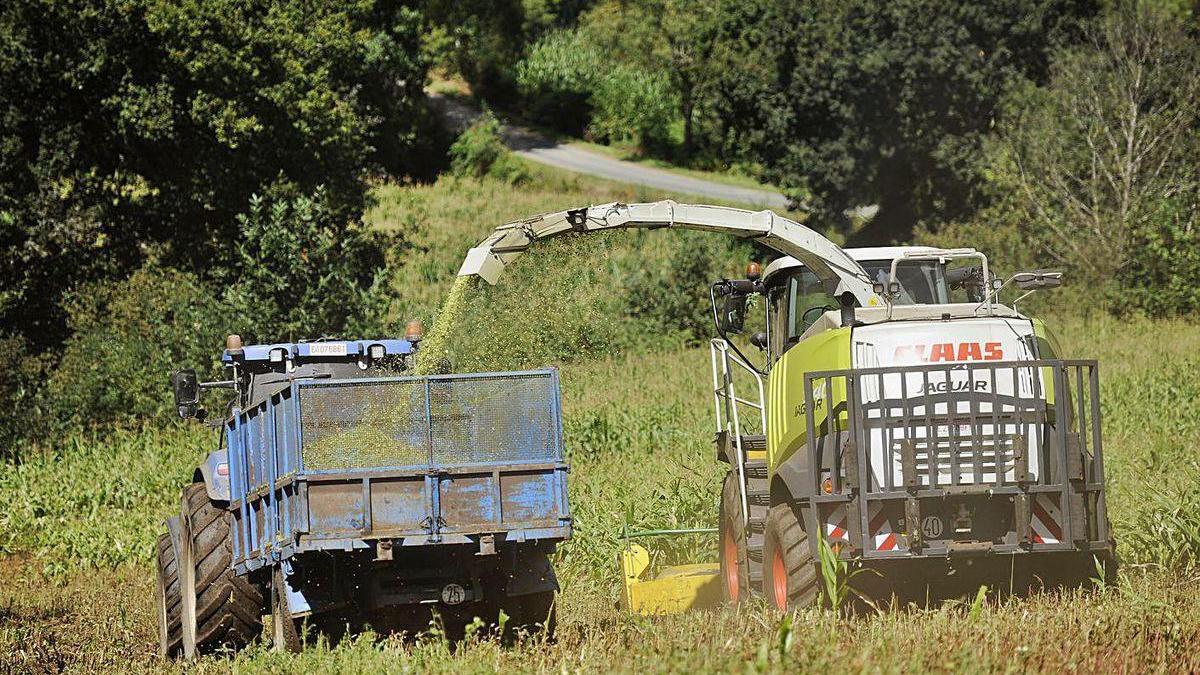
(857, 254)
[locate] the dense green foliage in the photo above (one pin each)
(300, 269)
(132, 126)
(484, 40)
(886, 102)
(297, 270)
(841, 103)
(135, 131)
(1096, 171)
(126, 337)
(573, 85)
(480, 151)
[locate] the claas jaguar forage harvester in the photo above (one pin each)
(898, 415)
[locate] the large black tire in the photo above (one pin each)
(220, 609)
(735, 558)
(166, 577)
(790, 577)
(532, 614)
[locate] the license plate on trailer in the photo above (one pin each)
(327, 349)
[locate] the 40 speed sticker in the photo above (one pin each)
(932, 527)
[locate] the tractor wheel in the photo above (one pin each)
(220, 608)
(789, 574)
(533, 613)
(166, 577)
(735, 560)
(284, 635)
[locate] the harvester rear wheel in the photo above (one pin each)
(220, 608)
(735, 559)
(166, 577)
(789, 574)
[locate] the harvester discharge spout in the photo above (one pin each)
(837, 270)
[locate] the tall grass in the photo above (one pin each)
(639, 431)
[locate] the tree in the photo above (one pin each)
(691, 29)
(1104, 158)
(867, 101)
(134, 128)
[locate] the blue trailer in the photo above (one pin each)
(348, 491)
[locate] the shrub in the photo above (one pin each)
(558, 78)
(127, 338)
(569, 84)
(303, 271)
(1164, 275)
(21, 414)
(672, 297)
(633, 106)
(480, 151)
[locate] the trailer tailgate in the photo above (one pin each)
(334, 464)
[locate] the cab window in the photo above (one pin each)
(804, 292)
(922, 282)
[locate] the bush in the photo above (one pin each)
(127, 338)
(569, 84)
(480, 151)
(633, 106)
(303, 271)
(558, 79)
(300, 272)
(1164, 277)
(19, 400)
(672, 296)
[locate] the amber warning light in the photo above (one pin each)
(414, 331)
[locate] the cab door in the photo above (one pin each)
(800, 302)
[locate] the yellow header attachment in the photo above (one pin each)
(675, 590)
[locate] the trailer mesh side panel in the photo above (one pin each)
(438, 421)
(346, 425)
(487, 420)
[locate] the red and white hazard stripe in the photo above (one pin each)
(880, 527)
(1044, 522)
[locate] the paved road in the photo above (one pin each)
(539, 148)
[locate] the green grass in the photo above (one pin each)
(638, 431)
(79, 519)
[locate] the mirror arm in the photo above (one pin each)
(219, 384)
(1025, 295)
(995, 293)
(712, 296)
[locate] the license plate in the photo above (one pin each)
(327, 349)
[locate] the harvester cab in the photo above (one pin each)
(899, 411)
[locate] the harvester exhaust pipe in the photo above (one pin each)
(848, 304)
